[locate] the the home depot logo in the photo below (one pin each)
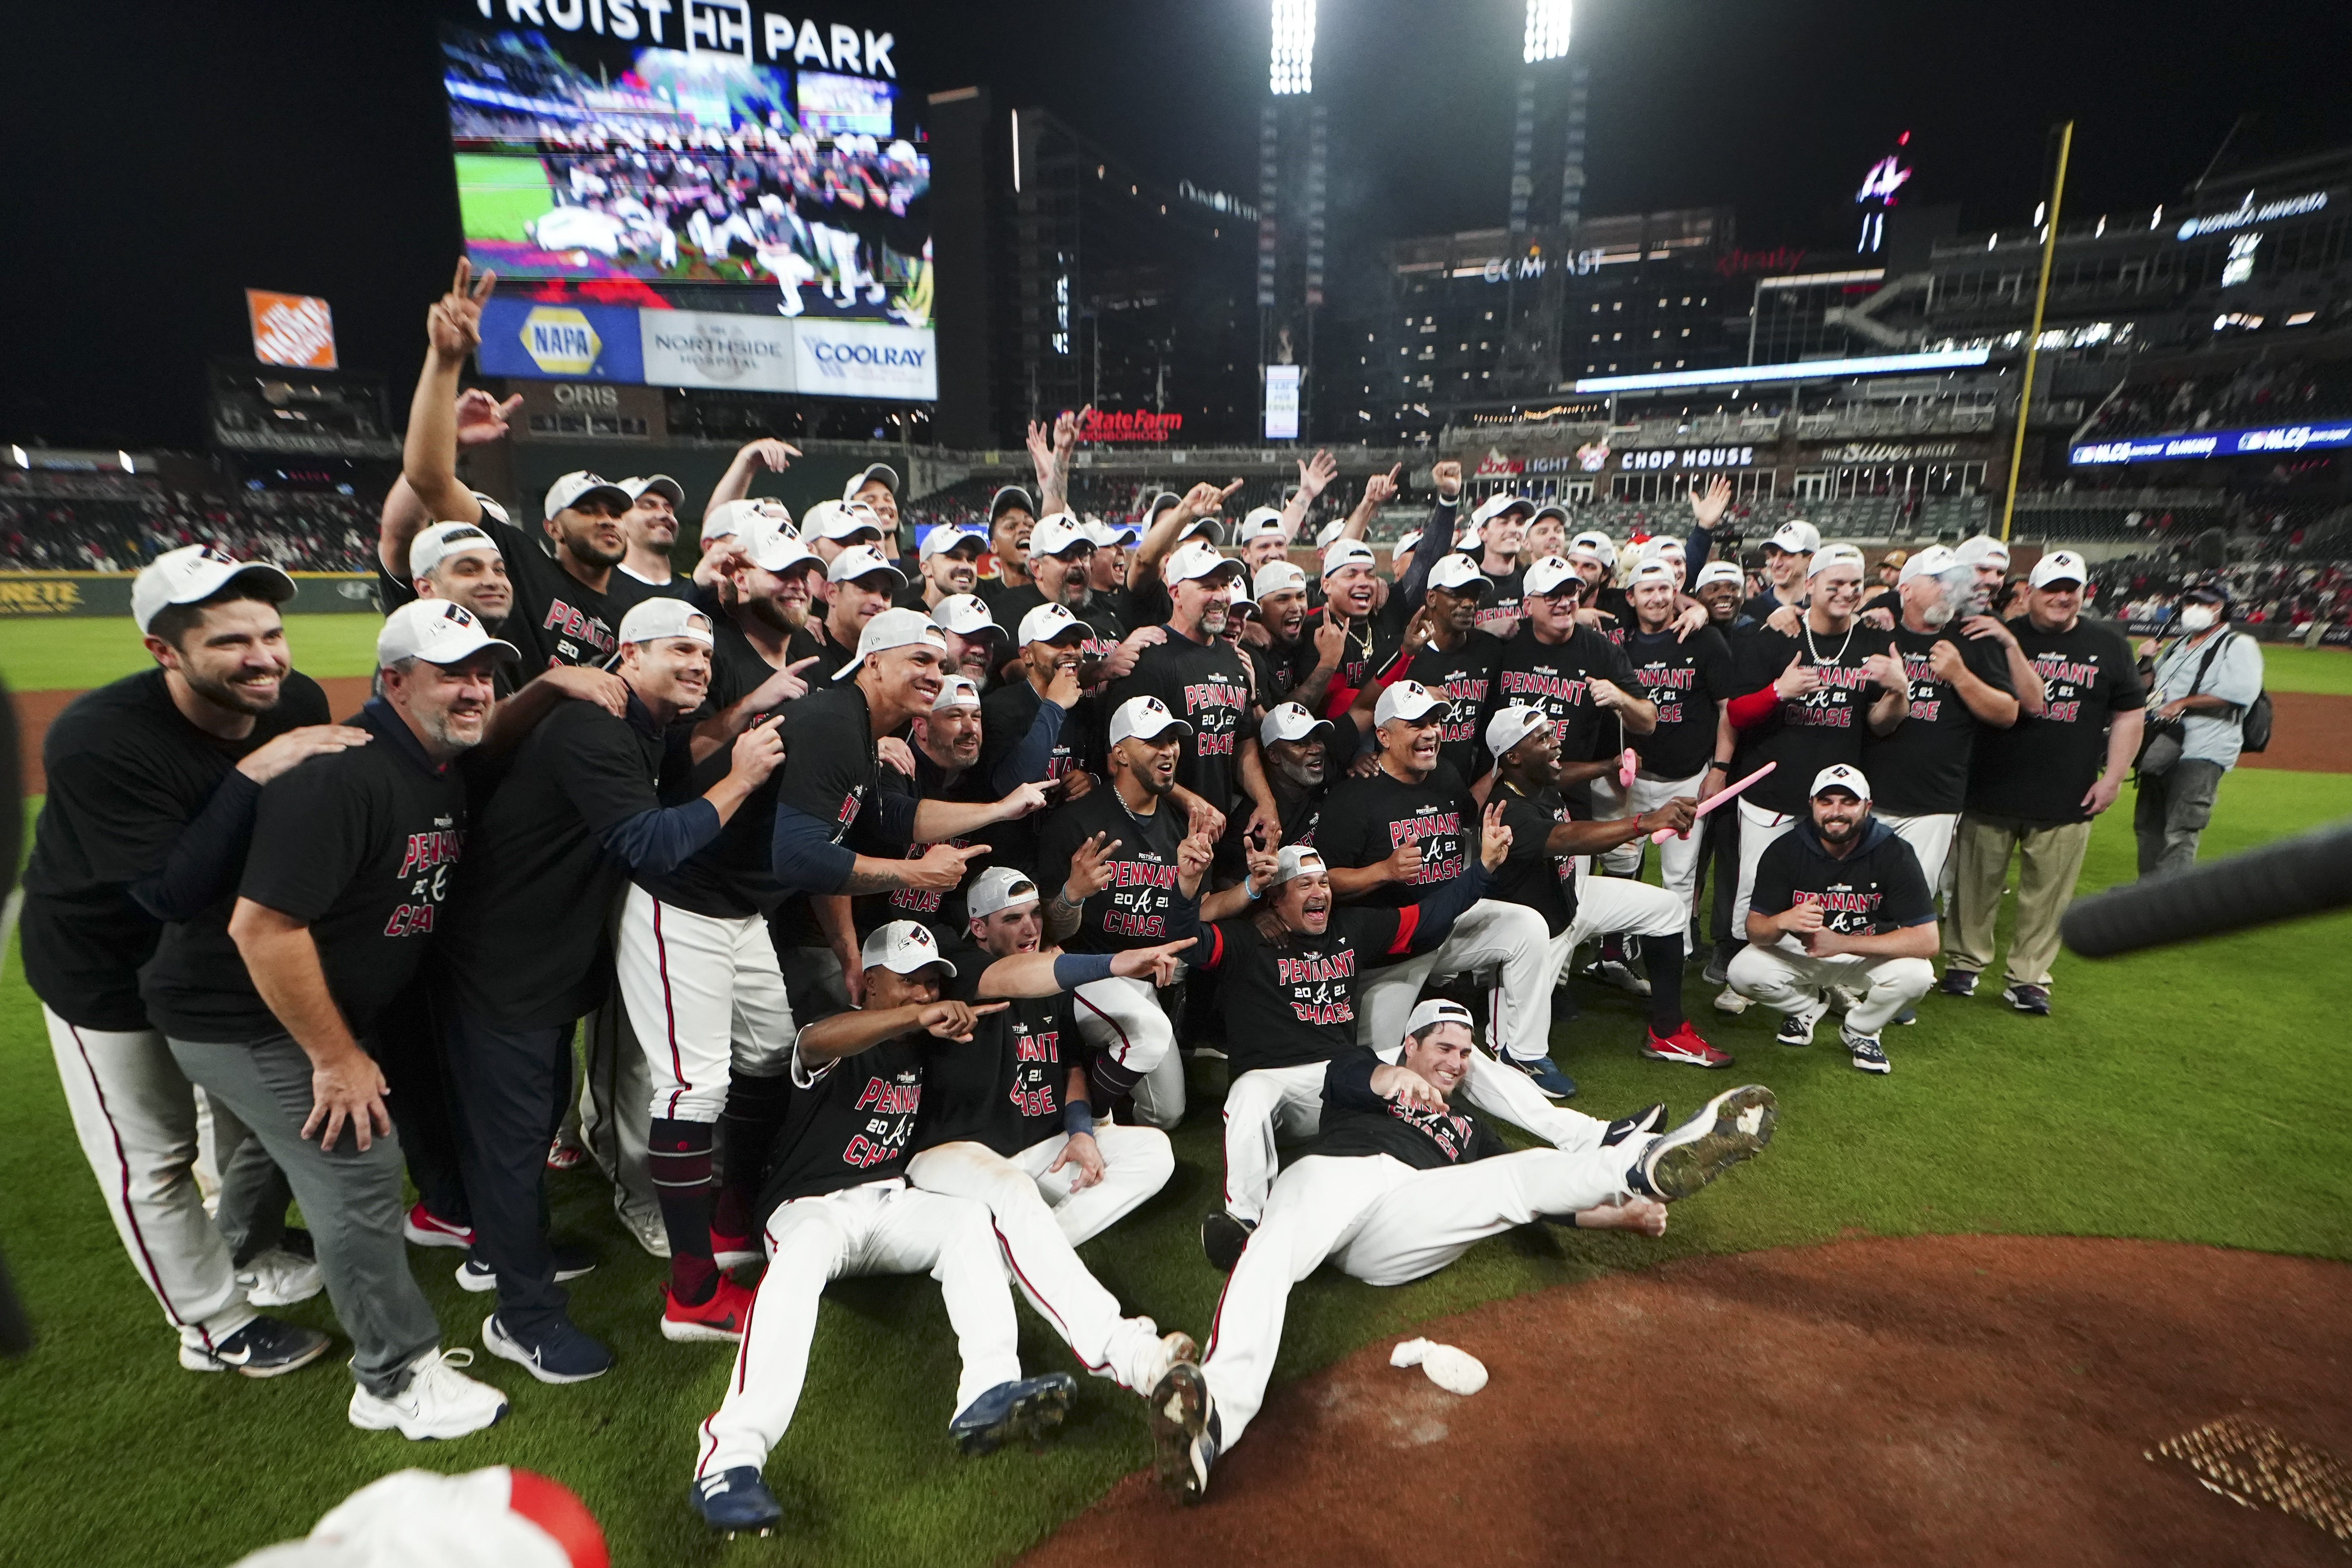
(559, 340)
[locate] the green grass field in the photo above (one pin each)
(2198, 1095)
(74, 655)
(498, 194)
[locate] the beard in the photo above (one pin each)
(785, 616)
(1213, 615)
(222, 692)
(583, 548)
(449, 730)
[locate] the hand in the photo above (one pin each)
(955, 1020)
(758, 751)
(893, 753)
(1710, 784)
(481, 418)
(1599, 620)
(1677, 814)
(1366, 765)
(777, 454)
(1081, 1151)
(1040, 441)
(348, 1088)
(2103, 793)
(1090, 870)
(1263, 862)
(1785, 620)
(1879, 618)
(1494, 842)
(1799, 680)
(1381, 489)
(785, 686)
(1315, 474)
(1991, 626)
(1402, 865)
(1420, 630)
(853, 974)
(1066, 425)
(2166, 712)
(1265, 824)
(1064, 691)
(267, 761)
(1447, 477)
(1707, 511)
(1331, 641)
(1121, 662)
(1024, 799)
(1203, 819)
(452, 326)
(1157, 963)
(1607, 693)
(578, 683)
(1801, 918)
(1076, 784)
(1195, 856)
(1406, 1087)
(1943, 661)
(1693, 618)
(942, 866)
(1887, 670)
(1207, 498)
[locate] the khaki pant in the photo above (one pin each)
(2050, 858)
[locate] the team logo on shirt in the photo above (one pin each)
(1451, 1134)
(1320, 988)
(1140, 906)
(892, 1102)
(1568, 689)
(1663, 685)
(1925, 704)
(1034, 1051)
(1216, 709)
(2062, 676)
(1845, 908)
(427, 858)
(1423, 826)
(566, 622)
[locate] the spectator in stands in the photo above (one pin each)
(2204, 681)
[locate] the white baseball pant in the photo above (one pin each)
(1137, 1162)
(1612, 906)
(1123, 1017)
(1930, 837)
(1677, 857)
(1758, 829)
(880, 1227)
(1791, 983)
(1493, 934)
(1162, 1095)
(135, 1114)
(1384, 1222)
(704, 995)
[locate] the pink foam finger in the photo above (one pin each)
(1726, 793)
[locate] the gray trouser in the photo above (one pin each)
(2172, 810)
(350, 1200)
(614, 1092)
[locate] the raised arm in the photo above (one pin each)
(1314, 476)
(1379, 490)
(767, 452)
(428, 455)
(1203, 500)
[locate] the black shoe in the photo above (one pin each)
(1649, 1119)
(1029, 1408)
(263, 1348)
(735, 1499)
(1184, 1433)
(2033, 999)
(1957, 983)
(1564, 1006)
(1222, 1236)
(557, 1354)
(1732, 1127)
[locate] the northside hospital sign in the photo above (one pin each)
(717, 349)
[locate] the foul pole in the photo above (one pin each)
(2033, 337)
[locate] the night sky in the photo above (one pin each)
(163, 157)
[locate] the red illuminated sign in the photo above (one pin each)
(1118, 424)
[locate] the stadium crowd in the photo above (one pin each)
(109, 523)
(882, 887)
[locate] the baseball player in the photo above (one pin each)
(1400, 1185)
(1034, 730)
(650, 527)
(948, 561)
(1839, 902)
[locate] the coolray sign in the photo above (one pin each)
(717, 349)
(1688, 457)
(710, 27)
(865, 359)
(2257, 441)
(559, 342)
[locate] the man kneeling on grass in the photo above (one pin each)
(1399, 1186)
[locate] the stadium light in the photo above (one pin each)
(1293, 67)
(1802, 370)
(1546, 29)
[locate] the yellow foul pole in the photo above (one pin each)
(2033, 338)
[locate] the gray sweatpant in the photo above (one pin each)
(351, 1200)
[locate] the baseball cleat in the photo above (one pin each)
(572, 1260)
(1908, 1016)
(263, 1348)
(278, 1277)
(1649, 1119)
(1797, 1028)
(1957, 983)
(722, 1318)
(735, 1251)
(1222, 1236)
(559, 1353)
(736, 1499)
(423, 1229)
(1730, 1002)
(1166, 1351)
(1683, 1046)
(1732, 1127)
(2033, 999)
(1183, 1433)
(1868, 1054)
(439, 1402)
(563, 1156)
(1616, 972)
(1029, 1409)
(1544, 1073)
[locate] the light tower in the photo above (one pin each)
(1551, 108)
(1292, 147)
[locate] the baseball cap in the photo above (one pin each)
(966, 614)
(902, 947)
(1350, 553)
(1006, 498)
(1600, 543)
(1407, 699)
(1290, 722)
(1057, 533)
(1511, 725)
(1833, 555)
(1435, 1011)
(1209, 528)
(998, 888)
(775, 548)
(1107, 534)
(2212, 591)
(842, 522)
(2059, 566)
(195, 573)
(1796, 536)
(1982, 550)
(893, 628)
(1405, 545)
(733, 517)
(1496, 505)
(1051, 622)
(1932, 562)
(1578, 549)
(1657, 546)
(1198, 559)
(1241, 608)
(883, 472)
(490, 508)
(1898, 559)
(956, 691)
(664, 616)
(950, 536)
(1278, 578)
(438, 543)
(861, 561)
(1459, 575)
(1144, 719)
(1654, 572)
(655, 484)
(1295, 860)
(1160, 501)
(438, 631)
(579, 486)
(1551, 509)
(1262, 523)
(1550, 575)
(1840, 776)
(1722, 572)
(1473, 537)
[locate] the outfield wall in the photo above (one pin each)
(34, 595)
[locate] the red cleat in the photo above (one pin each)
(723, 1317)
(1683, 1046)
(423, 1229)
(734, 1251)
(562, 1156)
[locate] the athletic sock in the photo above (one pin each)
(678, 1157)
(1666, 956)
(755, 1110)
(1111, 1081)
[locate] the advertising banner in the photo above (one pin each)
(1282, 403)
(561, 343)
(296, 330)
(51, 596)
(2257, 440)
(709, 348)
(865, 359)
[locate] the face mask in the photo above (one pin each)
(2198, 617)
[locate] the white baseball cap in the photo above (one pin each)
(578, 486)
(1578, 549)
(956, 691)
(1350, 553)
(1295, 860)
(1833, 555)
(1261, 523)
(1982, 550)
(774, 548)
(1840, 776)
(1549, 509)
(664, 615)
(1209, 528)
(950, 536)
(1721, 572)
(1511, 725)
(842, 522)
(893, 628)
(439, 542)
(733, 517)
(1144, 719)
(1051, 622)
(1290, 722)
(1550, 575)
(966, 614)
(1657, 546)
(998, 888)
(1057, 533)
(656, 484)
(1407, 699)
(1472, 537)
(862, 560)
(195, 573)
(1107, 534)
(1278, 578)
(1796, 536)
(902, 947)
(1600, 543)
(883, 472)
(1438, 1010)
(1200, 559)
(1496, 505)
(2059, 566)
(438, 631)
(490, 508)
(1654, 572)
(1932, 562)
(1460, 574)
(1405, 545)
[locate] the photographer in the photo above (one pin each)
(2202, 685)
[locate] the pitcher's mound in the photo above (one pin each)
(1940, 1400)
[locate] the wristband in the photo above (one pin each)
(1725, 766)
(1078, 1117)
(1072, 970)
(1252, 893)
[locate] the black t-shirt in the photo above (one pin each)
(1356, 1122)
(1555, 676)
(1531, 875)
(528, 946)
(831, 770)
(1010, 604)
(1499, 611)
(1810, 732)
(127, 775)
(1877, 888)
(2041, 767)
(1370, 645)
(1004, 1089)
(939, 906)
(1367, 820)
(1280, 668)
(1758, 607)
(359, 845)
(1295, 1001)
(849, 1123)
(1923, 767)
(1687, 679)
(556, 619)
(1136, 910)
(672, 586)
(1208, 687)
(1006, 716)
(1464, 676)
(1106, 623)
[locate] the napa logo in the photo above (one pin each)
(559, 340)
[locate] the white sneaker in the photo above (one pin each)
(1730, 1001)
(1157, 1353)
(440, 1401)
(1609, 972)
(646, 1225)
(279, 1279)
